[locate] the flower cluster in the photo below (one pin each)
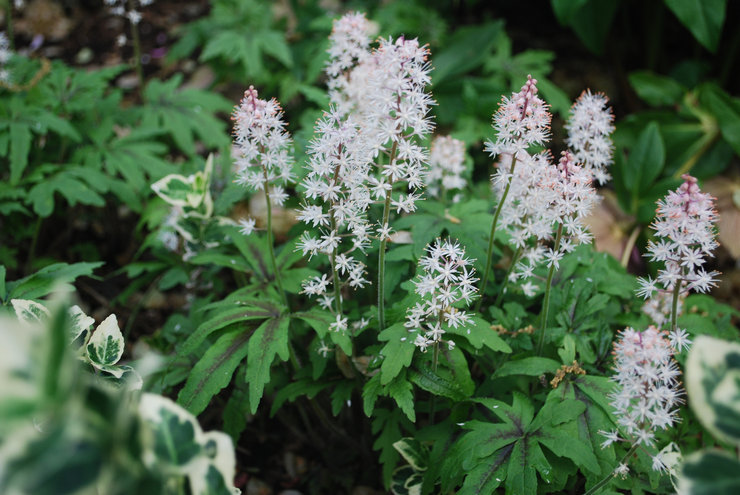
(648, 387)
(395, 118)
(685, 225)
(125, 8)
(446, 279)
(543, 196)
(5, 54)
(546, 197)
(261, 147)
(349, 45)
(521, 121)
(337, 180)
(589, 128)
(446, 165)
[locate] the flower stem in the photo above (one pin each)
(270, 246)
(548, 290)
(629, 246)
(674, 303)
(489, 256)
(514, 261)
(598, 486)
(383, 242)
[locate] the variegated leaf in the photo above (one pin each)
(79, 322)
(414, 453)
(713, 385)
(711, 472)
(106, 344)
(30, 312)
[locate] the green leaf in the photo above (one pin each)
(709, 473)
(436, 384)
(402, 392)
(530, 366)
(53, 277)
(397, 353)
(69, 185)
(290, 392)
(713, 385)
(269, 340)
(466, 50)
(656, 90)
(20, 139)
(521, 476)
(704, 18)
(590, 19)
(480, 334)
(319, 320)
(214, 370)
(727, 111)
(564, 445)
(225, 315)
(646, 160)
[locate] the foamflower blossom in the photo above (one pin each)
(686, 237)
(648, 389)
(522, 121)
(337, 199)
(446, 281)
(446, 166)
(547, 197)
(261, 149)
(589, 127)
(349, 45)
(5, 54)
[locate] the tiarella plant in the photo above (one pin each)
(345, 275)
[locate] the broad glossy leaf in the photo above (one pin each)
(646, 160)
(704, 18)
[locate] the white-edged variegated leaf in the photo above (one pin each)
(171, 436)
(106, 345)
(175, 443)
(406, 481)
(178, 190)
(218, 455)
(191, 191)
(414, 452)
(713, 385)
(79, 322)
(30, 312)
(709, 472)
